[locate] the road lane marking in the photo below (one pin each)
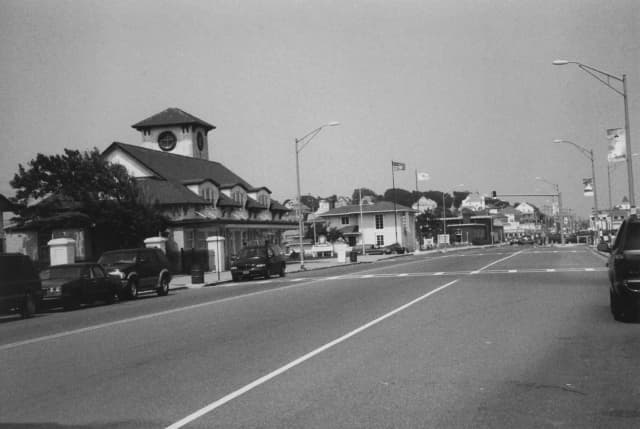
(498, 261)
(258, 382)
(551, 270)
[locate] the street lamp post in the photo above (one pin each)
(605, 78)
(561, 220)
(589, 154)
(301, 143)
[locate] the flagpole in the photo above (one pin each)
(395, 212)
(361, 229)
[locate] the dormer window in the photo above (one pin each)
(167, 141)
(200, 141)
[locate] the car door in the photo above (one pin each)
(99, 278)
(271, 260)
(145, 270)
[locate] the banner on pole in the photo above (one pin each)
(398, 166)
(423, 176)
(617, 145)
(588, 187)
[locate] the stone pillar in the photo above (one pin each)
(156, 242)
(215, 246)
(62, 251)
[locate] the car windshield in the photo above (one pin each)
(118, 258)
(61, 273)
(252, 252)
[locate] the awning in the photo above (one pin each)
(349, 230)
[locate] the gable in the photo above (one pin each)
(134, 167)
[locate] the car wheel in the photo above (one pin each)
(620, 311)
(132, 290)
(28, 307)
(282, 272)
(267, 275)
(235, 277)
(163, 290)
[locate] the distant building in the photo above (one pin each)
(474, 202)
(381, 224)
(424, 204)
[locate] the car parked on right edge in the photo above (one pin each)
(624, 270)
(138, 270)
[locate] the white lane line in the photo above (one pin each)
(551, 270)
(439, 273)
(403, 275)
(589, 269)
(216, 404)
(513, 271)
(498, 261)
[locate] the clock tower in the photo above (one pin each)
(176, 131)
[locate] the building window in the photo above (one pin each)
(189, 239)
(345, 220)
(379, 221)
(200, 141)
(238, 197)
(380, 240)
(167, 140)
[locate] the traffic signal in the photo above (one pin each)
(493, 194)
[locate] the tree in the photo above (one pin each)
(366, 192)
(82, 189)
(400, 196)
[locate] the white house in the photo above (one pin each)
(424, 204)
(473, 202)
(379, 224)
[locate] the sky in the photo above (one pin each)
(462, 90)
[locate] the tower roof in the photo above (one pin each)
(171, 116)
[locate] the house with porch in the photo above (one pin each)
(379, 224)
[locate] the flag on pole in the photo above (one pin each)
(617, 145)
(423, 176)
(588, 187)
(398, 166)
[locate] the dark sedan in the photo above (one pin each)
(71, 285)
(389, 249)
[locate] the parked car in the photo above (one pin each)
(258, 261)
(20, 286)
(624, 271)
(394, 248)
(525, 239)
(137, 270)
(368, 248)
(71, 285)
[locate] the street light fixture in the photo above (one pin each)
(605, 78)
(557, 188)
(589, 154)
(301, 143)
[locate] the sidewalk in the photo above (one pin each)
(211, 278)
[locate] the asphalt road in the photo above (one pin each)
(501, 338)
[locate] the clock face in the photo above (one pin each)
(167, 140)
(200, 141)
